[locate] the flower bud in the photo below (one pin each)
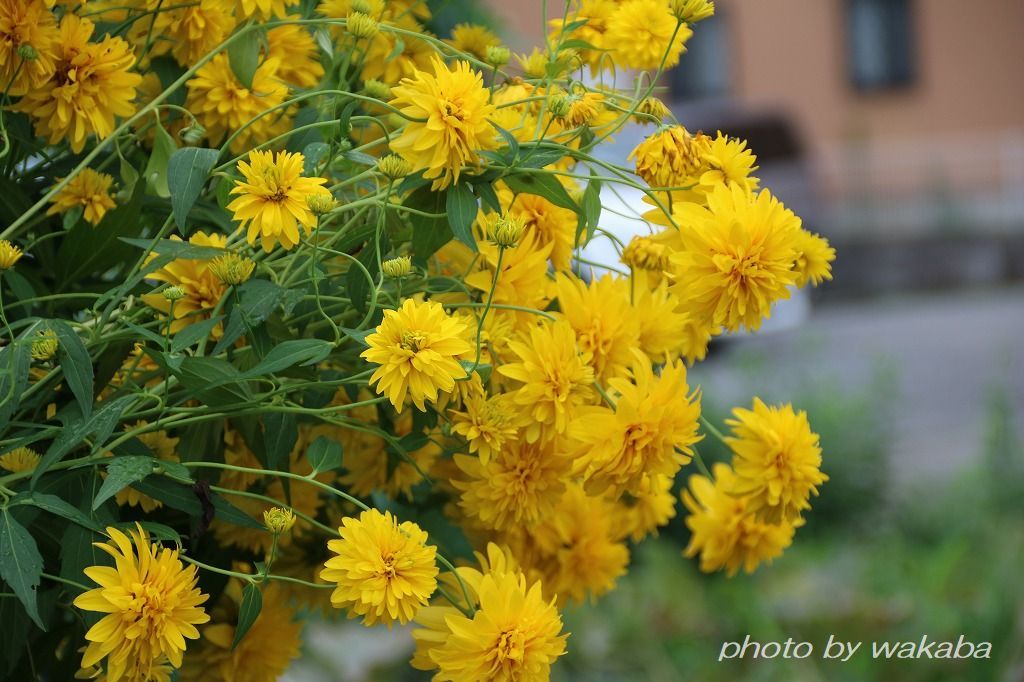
(278, 520)
(394, 166)
(559, 106)
(361, 6)
(507, 231)
(9, 254)
(232, 269)
(362, 25)
(497, 55)
(28, 53)
(644, 253)
(651, 106)
(193, 134)
(173, 293)
(397, 268)
(320, 204)
(44, 345)
(377, 89)
(692, 11)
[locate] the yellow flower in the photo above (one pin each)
(390, 59)
(692, 11)
(651, 106)
(738, 257)
(194, 277)
(523, 280)
(224, 105)
(278, 520)
(727, 161)
(814, 262)
(551, 224)
(670, 157)
(273, 202)
(88, 190)
(555, 379)
(584, 109)
(91, 85)
(581, 548)
(534, 64)
(191, 32)
(151, 604)
(603, 320)
(650, 431)
(660, 324)
(417, 348)
(26, 23)
(590, 22)
(653, 505)
(453, 109)
(384, 569)
(272, 642)
(163, 447)
(370, 467)
(723, 531)
(514, 635)
(474, 39)
(263, 9)
(297, 55)
(237, 453)
(487, 423)
(9, 254)
(20, 459)
(520, 484)
(640, 33)
(777, 460)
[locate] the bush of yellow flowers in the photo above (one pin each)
(296, 324)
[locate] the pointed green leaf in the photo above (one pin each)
(187, 172)
(156, 170)
(289, 353)
(324, 454)
(462, 208)
(121, 473)
(248, 611)
(244, 58)
(542, 185)
(76, 364)
(21, 566)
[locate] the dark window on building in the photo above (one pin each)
(704, 68)
(879, 43)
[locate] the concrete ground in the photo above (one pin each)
(942, 354)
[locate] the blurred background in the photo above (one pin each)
(895, 128)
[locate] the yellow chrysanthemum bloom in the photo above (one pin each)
(223, 105)
(473, 39)
(552, 224)
(670, 157)
(738, 257)
(188, 33)
(584, 109)
(814, 262)
(723, 531)
(20, 459)
(91, 85)
(653, 505)
(590, 21)
(777, 460)
(450, 109)
(151, 601)
(726, 160)
(521, 484)
(384, 570)
(523, 280)
(659, 321)
(580, 543)
(10, 254)
(26, 23)
(296, 53)
(272, 642)
(201, 287)
(163, 447)
(644, 34)
(603, 319)
(514, 635)
(417, 348)
(555, 378)
(89, 191)
(273, 198)
(650, 431)
(487, 423)
(263, 9)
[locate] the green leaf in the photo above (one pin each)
(121, 473)
(324, 454)
(88, 250)
(76, 364)
(193, 334)
(173, 494)
(156, 170)
(428, 234)
(511, 141)
(462, 208)
(280, 433)
(176, 249)
(15, 361)
(129, 176)
(57, 506)
(228, 512)
(20, 564)
(77, 427)
(248, 611)
(187, 172)
(214, 381)
(591, 209)
(542, 185)
(312, 153)
(289, 353)
(78, 553)
(244, 58)
(259, 299)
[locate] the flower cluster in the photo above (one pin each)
(324, 336)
